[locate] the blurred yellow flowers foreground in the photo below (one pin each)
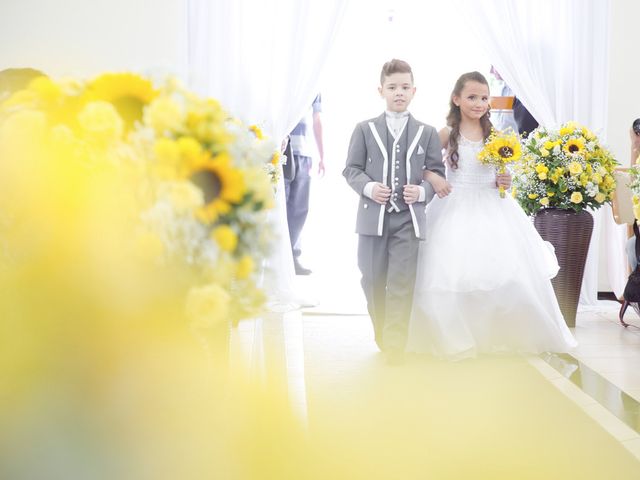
(115, 174)
(132, 220)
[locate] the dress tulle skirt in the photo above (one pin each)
(483, 282)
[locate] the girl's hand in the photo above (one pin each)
(439, 184)
(503, 180)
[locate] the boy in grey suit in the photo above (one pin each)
(389, 159)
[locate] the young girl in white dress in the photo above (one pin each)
(483, 282)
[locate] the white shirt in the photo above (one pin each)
(396, 121)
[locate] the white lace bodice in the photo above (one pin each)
(470, 172)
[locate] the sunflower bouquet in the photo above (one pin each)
(213, 172)
(566, 168)
(184, 183)
(500, 149)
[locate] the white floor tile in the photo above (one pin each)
(611, 423)
(633, 446)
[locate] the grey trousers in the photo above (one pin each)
(388, 266)
(296, 191)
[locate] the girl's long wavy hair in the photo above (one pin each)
(454, 117)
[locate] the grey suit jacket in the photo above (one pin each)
(368, 161)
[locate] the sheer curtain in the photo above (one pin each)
(554, 54)
(262, 60)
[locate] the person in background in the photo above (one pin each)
(524, 120)
(297, 179)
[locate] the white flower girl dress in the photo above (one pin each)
(483, 282)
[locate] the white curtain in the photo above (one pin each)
(262, 59)
(554, 54)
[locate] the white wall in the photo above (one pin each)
(84, 37)
(624, 76)
(624, 97)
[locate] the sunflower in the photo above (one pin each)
(501, 148)
(222, 184)
(575, 146)
(507, 149)
(128, 92)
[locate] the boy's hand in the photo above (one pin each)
(381, 193)
(411, 194)
(503, 180)
(440, 185)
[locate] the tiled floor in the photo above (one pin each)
(608, 348)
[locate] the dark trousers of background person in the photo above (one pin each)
(297, 186)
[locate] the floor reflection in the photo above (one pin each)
(623, 406)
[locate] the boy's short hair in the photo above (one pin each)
(395, 66)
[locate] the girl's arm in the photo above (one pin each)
(440, 185)
(443, 135)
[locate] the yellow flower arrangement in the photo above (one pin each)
(566, 168)
(193, 141)
(500, 149)
(183, 179)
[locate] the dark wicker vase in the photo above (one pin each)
(570, 233)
